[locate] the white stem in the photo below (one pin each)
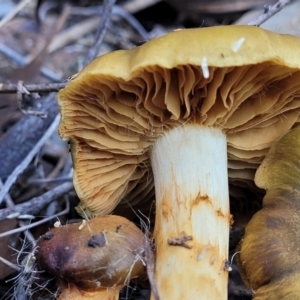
(191, 183)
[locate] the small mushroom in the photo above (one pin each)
(94, 261)
(183, 113)
(269, 258)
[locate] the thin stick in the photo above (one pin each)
(10, 264)
(135, 6)
(73, 33)
(19, 169)
(21, 61)
(269, 12)
(118, 11)
(35, 181)
(34, 205)
(107, 9)
(14, 12)
(32, 225)
(29, 236)
(10, 204)
(11, 88)
(13, 55)
(131, 20)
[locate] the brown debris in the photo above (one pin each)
(181, 240)
(98, 240)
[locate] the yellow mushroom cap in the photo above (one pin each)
(241, 79)
(269, 251)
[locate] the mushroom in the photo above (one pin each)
(176, 109)
(93, 259)
(269, 257)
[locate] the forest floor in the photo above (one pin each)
(44, 43)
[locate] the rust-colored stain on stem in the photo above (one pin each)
(229, 217)
(201, 198)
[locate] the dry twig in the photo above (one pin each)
(94, 50)
(21, 61)
(19, 169)
(35, 181)
(14, 12)
(10, 264)
(67, 36)
(10, 204)
(36, 204)
(135, 6)
(32, 225)
(118, 11)
(269, 12)
(10, 88)
(20, 139)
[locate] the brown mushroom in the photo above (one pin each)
(179, 107)
(270, 248)
(93, 259)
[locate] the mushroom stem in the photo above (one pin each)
(192, 213)
(71, 291)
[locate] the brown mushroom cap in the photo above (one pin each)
(99, 254)
(241, 79)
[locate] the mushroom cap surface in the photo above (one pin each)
(101, 253)
(268, 261)
(241, 79)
